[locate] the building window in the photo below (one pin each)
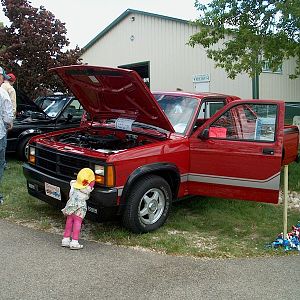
(267, 69)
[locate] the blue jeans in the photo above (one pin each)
(2, 155)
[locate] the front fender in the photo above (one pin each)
(29, 132)
(166, 170)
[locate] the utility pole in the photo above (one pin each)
(255, 86)
(255, 81)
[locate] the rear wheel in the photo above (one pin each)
(148, 204)
(22, 148)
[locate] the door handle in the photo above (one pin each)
(268, 151)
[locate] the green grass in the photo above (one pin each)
(294, 177)
(202, 227)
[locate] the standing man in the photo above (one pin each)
(6, 121)
(8, 86)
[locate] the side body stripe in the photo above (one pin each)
(271, 183)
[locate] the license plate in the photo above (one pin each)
(52, 191)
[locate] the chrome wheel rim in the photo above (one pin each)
(151, 206)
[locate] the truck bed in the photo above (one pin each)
(290, 144)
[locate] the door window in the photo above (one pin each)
(209, 108)
(251, 122)
(75, 109)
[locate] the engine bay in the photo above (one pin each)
(106, 142)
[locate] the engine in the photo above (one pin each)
(107, 143)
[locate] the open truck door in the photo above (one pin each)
(237, 154)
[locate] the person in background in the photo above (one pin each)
(75, 209)
(6, 122)
(8, 86)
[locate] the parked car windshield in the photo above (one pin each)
(52, 105)
(179, 110)
(55, 107)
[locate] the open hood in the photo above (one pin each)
(113, 93)
(24, 103)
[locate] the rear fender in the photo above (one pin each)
(290, 145)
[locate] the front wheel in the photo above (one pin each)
(148, 204)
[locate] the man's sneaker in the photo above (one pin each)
(1, 200)
(74, 245)
(65, 242)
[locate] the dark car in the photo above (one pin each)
(48, 113)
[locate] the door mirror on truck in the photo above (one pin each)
(204, 135)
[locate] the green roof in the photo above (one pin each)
(123, 16)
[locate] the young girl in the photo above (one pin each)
(75, 209)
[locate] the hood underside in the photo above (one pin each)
(113, 93)
(24, 103)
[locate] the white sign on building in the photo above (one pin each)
(199, 78)
(201, 82)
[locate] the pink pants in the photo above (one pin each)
(73, 226)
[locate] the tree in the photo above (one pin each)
(1, 26)
(34, 42)
(252, 32)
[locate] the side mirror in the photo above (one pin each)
(37, 115)
(69, 117)
(204, 135)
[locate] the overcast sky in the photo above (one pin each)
(86, 18)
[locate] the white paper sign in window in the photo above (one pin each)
(265, 129)
(124, 124)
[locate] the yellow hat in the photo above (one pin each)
(84, 178)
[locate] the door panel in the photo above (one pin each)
(241, 157)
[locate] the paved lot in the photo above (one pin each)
(34, 266)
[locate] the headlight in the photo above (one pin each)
(99, 170)
(105, 175)
(31, 155)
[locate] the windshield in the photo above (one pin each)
(179, 110)
(52, 107)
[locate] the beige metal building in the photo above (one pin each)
(156, 47)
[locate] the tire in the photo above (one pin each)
(21, 148)
(148, 204)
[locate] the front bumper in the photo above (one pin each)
(102, 202)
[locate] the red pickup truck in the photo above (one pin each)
(148, 150)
